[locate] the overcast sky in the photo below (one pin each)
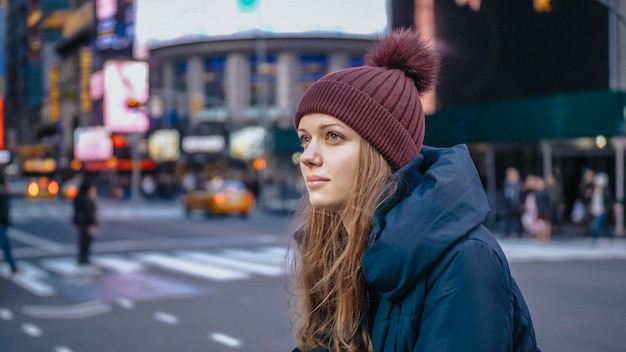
(161, 21)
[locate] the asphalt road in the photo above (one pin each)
(163, 282)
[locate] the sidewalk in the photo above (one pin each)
(569, 243)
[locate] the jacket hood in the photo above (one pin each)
(439, 199)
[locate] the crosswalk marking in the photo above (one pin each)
(186, 266)
(32, 279)
(117, 263)
(33, 240)
(246, 266)
(212, 265)
(66, 266)
(239, 263)
(274, 257)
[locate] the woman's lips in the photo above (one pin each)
(315, 181)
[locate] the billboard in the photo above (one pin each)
(195, 20)
(247, 143)
(115, 26)
(164, 145)
(508, 50)
(92, 143)
(125, 80)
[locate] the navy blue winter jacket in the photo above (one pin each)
(442, 281)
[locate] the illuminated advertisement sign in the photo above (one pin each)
(163, 145)
(125, 81)
(85, 76)
(92, 143)
(193, 19)
(115, 27)
(55, 95)
(247, 143)
(203, 144)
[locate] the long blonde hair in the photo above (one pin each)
(331, 291)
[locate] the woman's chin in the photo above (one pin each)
(325, 203)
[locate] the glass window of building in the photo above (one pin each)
(356, 61)
(263, 81)
(214, 69)
(180, 81)
(312, 68)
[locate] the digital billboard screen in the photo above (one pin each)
(125, 80)
(92, 143)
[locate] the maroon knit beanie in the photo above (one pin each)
(381, 100)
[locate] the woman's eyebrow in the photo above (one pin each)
(322, 127)
(325, 126)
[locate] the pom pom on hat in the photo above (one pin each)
(380, 100)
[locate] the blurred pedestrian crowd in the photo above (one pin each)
(533, 206)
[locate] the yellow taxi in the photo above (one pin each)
(42, 188)
(220, 197)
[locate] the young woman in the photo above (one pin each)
(390, 251)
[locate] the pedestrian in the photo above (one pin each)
(85, 218)
(544, 210)
(553, 188)
(390, 250)
(5, 221)
(600, 205)
(585, 190)
(512, 191)
(530, 212)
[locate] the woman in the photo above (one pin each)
(85, 219)
(390, 251)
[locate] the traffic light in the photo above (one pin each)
(543, 5)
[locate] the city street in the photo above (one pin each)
(162, 282)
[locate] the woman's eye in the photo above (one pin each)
(304, 140)
(332, 136)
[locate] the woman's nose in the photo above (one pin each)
(310, 156)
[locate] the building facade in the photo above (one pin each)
(224, 86)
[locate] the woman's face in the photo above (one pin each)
(329, 161)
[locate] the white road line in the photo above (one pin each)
(31, 330)
(30, 278)
(247, 266)
(126, 303)
(76, 311)
(190, 267)
(117, 263)
(225, 339)
(62, 349)
(165, 318)
(264, 257)
(36, 241)
(6, 314)
(67, 266)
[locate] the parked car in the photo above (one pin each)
(42, 188)
(220, 197)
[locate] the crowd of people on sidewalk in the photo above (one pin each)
(533, 207)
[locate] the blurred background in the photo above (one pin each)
(180, 112)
